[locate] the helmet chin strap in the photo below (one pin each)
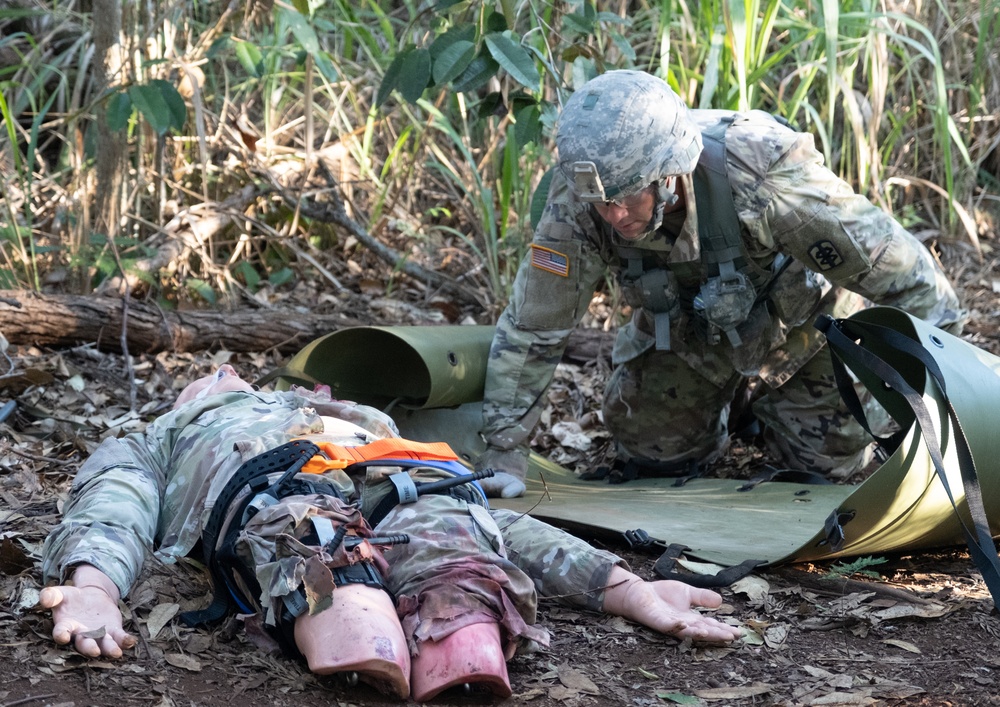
(666, 195)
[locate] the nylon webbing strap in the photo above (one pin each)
(290, 458)
(841, 335)
(667, 562)
(718, 225)
(407, 491)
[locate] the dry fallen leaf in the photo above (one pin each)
(159, 617)
(575, 680)
(754, 587)
(187, 662)
(775, 636)
(569, 434)
(734, 693)
(905, 645)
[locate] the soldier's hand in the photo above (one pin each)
(88, 616)
(509, 469)
(502, 485)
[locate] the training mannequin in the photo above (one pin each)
(447, 606)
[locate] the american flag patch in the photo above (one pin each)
(549, 260)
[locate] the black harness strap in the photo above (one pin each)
(289, 458)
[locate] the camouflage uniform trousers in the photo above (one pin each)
(463, 565)
(658, 408)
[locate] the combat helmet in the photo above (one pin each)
(621, 132)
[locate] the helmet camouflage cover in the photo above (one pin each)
(622, 131)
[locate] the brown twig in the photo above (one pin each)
(30, 698)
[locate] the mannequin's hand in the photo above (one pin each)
(86, 613)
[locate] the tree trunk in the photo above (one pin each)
(107, 22)
(28, 318)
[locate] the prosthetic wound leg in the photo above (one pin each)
(471, 656)
(287, 546)
(358, 635)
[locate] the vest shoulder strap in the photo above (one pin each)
(718, 225)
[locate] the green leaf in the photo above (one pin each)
(222, 44)
(119, 110)
(496, 22)
(8, 280)
(249, 275)
(415, 75)
(455, 34)
(514, 59)
(302, 6)
(409, 73)
(476, 74)
(251, 59)
(492, 104)
(578, 23)
(304, 33)
(175, 103)
(326, 66)
(528, 127)
(202, 289)
(160, 97)
(281, 277)
(453, 61)
(390, 81)
(623, 46)
(614, 19)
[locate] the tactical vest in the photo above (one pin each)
(720, 291)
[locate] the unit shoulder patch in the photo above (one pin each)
(825, 254)
(549, 260)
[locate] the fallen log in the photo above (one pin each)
(29, 318)
(32, 319)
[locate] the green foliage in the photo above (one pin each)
(446, 111)
(860, 567)
(157, 101)
(202, 289)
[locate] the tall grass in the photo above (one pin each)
(893, 93)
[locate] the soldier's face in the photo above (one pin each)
(224, 380)
(630, 216)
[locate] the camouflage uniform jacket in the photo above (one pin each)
(153, 492)
(843, 250)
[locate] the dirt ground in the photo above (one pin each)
(906, 630)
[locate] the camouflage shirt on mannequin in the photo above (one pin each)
(152, 493)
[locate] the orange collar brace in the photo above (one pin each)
(334, 456)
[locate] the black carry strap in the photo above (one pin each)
(620, 472)
(795, 476)
(665, 568)
(841, 335)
